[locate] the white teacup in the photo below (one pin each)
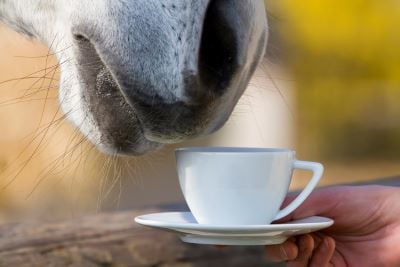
(240, 186)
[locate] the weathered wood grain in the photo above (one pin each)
(114, 239)
(111, 239)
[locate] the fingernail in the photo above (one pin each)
(283, 253)
(327, 244)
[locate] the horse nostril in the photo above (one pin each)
(218, 59)
(80, 38)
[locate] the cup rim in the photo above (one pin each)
(232, 150)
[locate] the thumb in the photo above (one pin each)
(320, 202)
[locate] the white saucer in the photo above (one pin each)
(184, 224)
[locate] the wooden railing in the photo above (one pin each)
(114, 239)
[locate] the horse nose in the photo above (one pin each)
(181, 66)
(212, 78)
(213, 84)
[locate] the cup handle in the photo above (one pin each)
(317, 170)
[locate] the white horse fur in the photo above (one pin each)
(136, 74)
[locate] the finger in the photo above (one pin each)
(306, 247)
(317, 238)
(282, 252)
(319, 202)
(323, 253)
(337, 259)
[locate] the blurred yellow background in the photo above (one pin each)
(345, 61)
(336, 102)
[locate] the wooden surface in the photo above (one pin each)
(113, 239)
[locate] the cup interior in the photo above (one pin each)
(232, 150)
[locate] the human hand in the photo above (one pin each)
(366, 230)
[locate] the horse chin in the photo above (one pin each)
(135, 150)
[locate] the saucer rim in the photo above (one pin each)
(209, 227)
